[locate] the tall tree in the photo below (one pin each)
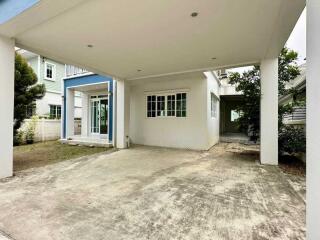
(26, 90)
(249, 84)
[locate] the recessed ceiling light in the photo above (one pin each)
(90, 46)
(194, 14)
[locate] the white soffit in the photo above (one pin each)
(159, 37)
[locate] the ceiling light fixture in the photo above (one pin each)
(194, 14)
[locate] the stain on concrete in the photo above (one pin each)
(153, 193)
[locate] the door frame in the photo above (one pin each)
(107, 96)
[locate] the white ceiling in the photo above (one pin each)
(158, 37)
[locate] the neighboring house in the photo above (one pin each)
(50, 73)
(298, 116)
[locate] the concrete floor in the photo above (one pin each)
(153, 193)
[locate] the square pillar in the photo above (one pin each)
(7, 57)
(269, 112)
(313, 119)
(84, 114)
(69, 98)
(123, 114)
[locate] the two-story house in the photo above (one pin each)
(50, 73)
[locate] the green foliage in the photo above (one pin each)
(291, 140)
(288, 69)
(26, 91)
(249, 84)
(19, 138)
(31, 128)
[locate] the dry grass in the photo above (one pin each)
(292, 165)
(45, 153)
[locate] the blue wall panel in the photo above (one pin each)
(11, 8)
(87, 80)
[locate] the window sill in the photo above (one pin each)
(50, 79)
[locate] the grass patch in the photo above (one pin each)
(45, 153)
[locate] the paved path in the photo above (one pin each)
(153, 193)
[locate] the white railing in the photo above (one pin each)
(73, 70)
(298, 114)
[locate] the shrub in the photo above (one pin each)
(291, 140)
(18, 139)
(30, 131)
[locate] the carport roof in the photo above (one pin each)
(137, 39)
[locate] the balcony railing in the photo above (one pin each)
(299, 113)
(72, 70)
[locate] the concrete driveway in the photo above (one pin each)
(152, 193)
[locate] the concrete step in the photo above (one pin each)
(87, 142)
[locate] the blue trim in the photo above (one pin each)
(87, 80)
(11, 8)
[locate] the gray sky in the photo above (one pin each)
(297, 39)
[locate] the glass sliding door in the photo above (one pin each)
(104, 116)
(99, 110)
(95, 116)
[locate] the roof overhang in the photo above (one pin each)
(139, 39)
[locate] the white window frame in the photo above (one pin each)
(157, 94)
(53, 78)
(214, 100)
(55, 111)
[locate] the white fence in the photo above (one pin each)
(48, 129)
(45, 129)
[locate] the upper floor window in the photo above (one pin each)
(49, 71)
(214, 103)
(167, 105)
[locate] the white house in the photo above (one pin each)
(180, 111)
(144, 40)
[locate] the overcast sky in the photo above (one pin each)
(296, 41)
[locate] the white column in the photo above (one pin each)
(69, 112)
(269, 112)
(62, 115)
(123, 113)
(85, 115)
(6, 105)
(313, 120)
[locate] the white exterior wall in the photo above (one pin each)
(313, 119)
(51, 98)
(213, 125)
(190, 132)
(6, 105)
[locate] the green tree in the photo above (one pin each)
(249, 84)
(26, 91)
